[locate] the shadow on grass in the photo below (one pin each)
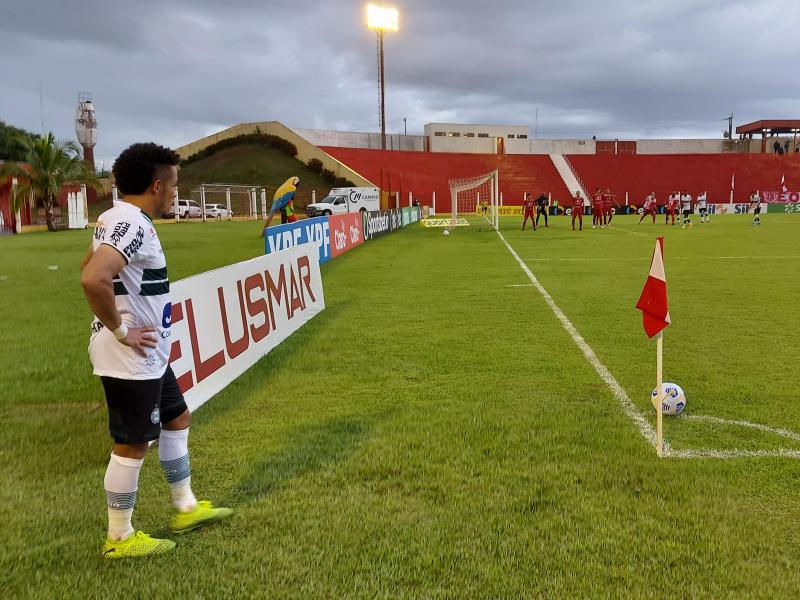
(311, 449)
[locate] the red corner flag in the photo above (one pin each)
(653, 301)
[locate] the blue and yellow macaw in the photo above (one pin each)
(284, 200)
(284, 194)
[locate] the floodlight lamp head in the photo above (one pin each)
(382, 18)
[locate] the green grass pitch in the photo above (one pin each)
(435, 432)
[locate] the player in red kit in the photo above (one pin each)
(529, 208)
(672, 208)
(597, 209)
(608, 207)
(578, 202)
(650, 207)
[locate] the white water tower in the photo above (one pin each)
(86, 127)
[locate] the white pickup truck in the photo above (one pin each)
(346, 200)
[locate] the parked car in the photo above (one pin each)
(186, 209)
(217, 211)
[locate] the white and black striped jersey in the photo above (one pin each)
(686, 202)
(141, 292)
(702, 201)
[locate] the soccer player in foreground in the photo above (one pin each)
(124, 278)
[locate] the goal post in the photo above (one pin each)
(229, 201)
(475, 196)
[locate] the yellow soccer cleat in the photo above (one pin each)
(203, 514)
(136, 545)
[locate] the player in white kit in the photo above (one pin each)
(755, 206)
(686, 208)
(124, 277)
(702, 207)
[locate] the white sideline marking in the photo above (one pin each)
(581, 259)
(626, 231)
(520, 285)
(787, 433)
(732, 453)
(772, 257)
(629, 408)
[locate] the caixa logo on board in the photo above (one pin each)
(346, 232)
(376, 224)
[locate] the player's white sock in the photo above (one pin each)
(173, 452)
(121, 483)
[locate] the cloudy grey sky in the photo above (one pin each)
(173, 71)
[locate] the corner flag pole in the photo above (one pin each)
(655, 318)
(659, 395)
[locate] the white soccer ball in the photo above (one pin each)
(446, 232)
(673, 400)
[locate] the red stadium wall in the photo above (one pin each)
(663, 173)
(422, 173)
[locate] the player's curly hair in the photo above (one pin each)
(135, 169)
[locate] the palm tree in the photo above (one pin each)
(50, 165)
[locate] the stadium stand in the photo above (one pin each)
(638, 175)
(422, 173)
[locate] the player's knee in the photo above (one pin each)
(135, 451)
(182, 421)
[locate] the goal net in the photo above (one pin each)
(474, 196)
(230, 201)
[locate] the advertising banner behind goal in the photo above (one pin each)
(225, 320)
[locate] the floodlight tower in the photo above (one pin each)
(86, 127)
(382, 19)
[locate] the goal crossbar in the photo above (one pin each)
(486, 184)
